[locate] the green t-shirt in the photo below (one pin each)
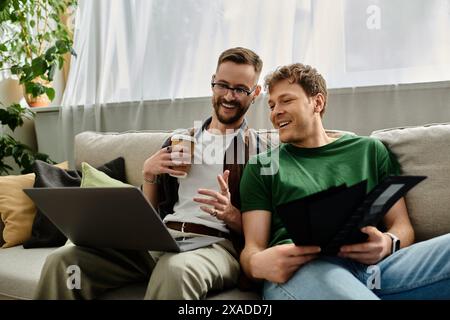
(300, 172)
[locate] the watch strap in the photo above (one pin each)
(395, 242)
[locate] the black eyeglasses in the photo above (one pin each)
(222, 89)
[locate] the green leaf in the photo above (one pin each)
(29, 87)
(27, 74)
(62, 46)
(16, 69)
(15, 5)
(4, 168)
(54, 16)
(13, 16)
(35, 89)
(60, 62)
(32, 23)
(25, 161)
(39, 66)
(50, 53)
(4, 4)
(38, 89)
(4, 16)
(43, 157)
(13, 115)
(3, 47)
(50, 93)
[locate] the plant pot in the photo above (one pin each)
(39, 101)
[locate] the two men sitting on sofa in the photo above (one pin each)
(192, 274)
(308, 162)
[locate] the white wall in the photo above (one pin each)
(360, 110)
(363, 110)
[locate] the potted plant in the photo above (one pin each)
(23, 156)
(33, 43)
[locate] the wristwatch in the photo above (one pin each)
(395, 242)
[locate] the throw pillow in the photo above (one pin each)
(424, 150)
(95, 178)
(16, 208)
(44, 233)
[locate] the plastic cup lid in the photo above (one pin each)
(178, 137)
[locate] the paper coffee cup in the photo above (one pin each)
(188, 142)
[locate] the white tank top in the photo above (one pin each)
(208, 163)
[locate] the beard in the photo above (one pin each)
(239, 108)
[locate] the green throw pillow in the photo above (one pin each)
(92, 177)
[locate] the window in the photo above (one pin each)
(144, 50)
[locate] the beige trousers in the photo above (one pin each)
(75, 272)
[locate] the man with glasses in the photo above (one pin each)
(182, 204)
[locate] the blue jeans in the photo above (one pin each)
(420, 271)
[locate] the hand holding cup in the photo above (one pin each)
(182, 154)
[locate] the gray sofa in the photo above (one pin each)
(422, 150)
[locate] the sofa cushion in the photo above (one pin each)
(44, 233)
(424, 150)
(92, 177)
(16, 208)
(20, 270)
(135, 147)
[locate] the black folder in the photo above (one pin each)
(334, 217)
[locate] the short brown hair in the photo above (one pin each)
(305, 76)
(241, 55)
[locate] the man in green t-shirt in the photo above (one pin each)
(309, 161)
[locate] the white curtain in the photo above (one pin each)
(133, 51)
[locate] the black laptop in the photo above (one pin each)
(119, 218)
